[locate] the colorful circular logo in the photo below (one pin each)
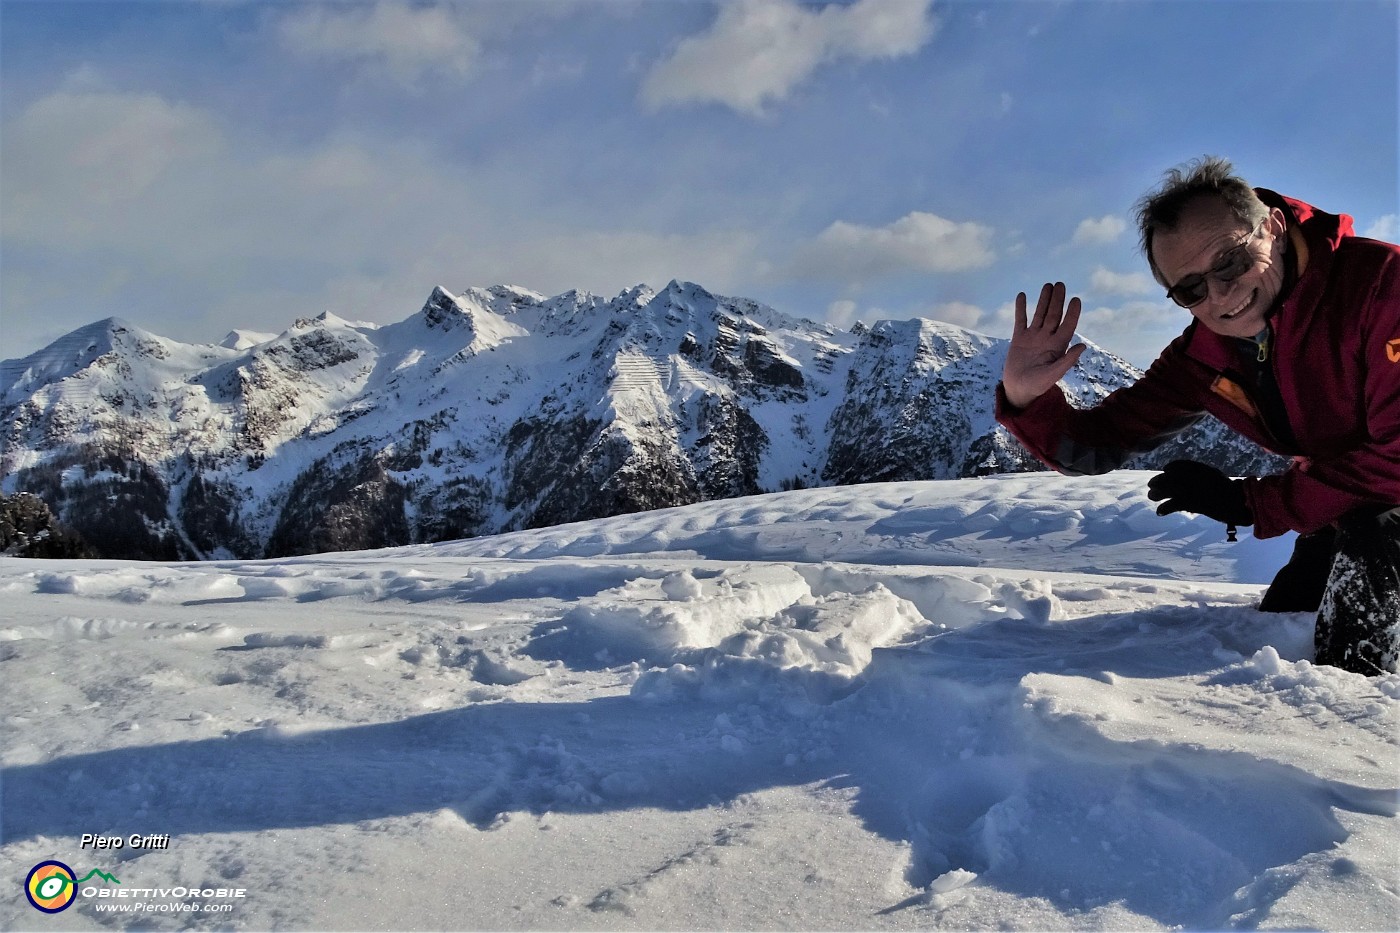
(51, 887)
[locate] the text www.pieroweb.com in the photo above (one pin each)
(132, 901)
(166, 908)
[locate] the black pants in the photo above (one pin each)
(1300, 583)
(1358, 624)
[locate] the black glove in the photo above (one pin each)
(1189, 486)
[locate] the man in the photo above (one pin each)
(1295, 345)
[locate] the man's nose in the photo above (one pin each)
(1219, 291)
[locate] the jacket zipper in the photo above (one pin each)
(1262, 357)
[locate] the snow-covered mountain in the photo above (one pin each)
(496, 410)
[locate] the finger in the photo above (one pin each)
(1042, 307)
(1020, 326)
(1173, 505)
(1066, 362)
(1071, 320)
(1165, 484)
(1057, 306)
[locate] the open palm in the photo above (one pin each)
(1040, 353)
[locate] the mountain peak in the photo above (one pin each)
(443, 310)
(504, 300)
(71, 352)
(687, 289)
(242, 339)
(638, 296)
(483, 314)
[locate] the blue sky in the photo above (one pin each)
(198, 166)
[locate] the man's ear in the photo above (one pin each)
(1277, 222)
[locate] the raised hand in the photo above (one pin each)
(1040, 354)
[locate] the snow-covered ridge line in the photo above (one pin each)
(497, 409)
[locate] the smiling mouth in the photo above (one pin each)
(1244, 306)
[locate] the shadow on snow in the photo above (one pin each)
(935, 743)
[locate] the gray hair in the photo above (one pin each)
(1209, 176)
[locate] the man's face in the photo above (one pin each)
(1205, 236)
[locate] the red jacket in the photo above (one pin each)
(1336, 359)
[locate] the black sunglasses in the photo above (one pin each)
(1193, 289)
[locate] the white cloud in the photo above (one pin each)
(957, 312)
(842, 313)
(405, 42)
(112, 186)
(1385, 228)
(79, 147)
(552, 69)
(607, 261)
(1105, 282)
(600, 261)
(189, 229)
(917, 242)
(757, 51)
(135, 174)
(1100, 230)
(1138, 331)
(1001, 322)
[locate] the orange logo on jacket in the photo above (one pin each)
(1392, 350)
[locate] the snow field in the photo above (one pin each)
(1037, 521)
(635, 724)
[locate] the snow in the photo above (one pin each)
(241, 338)
(1019, 702)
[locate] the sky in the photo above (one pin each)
(195, 167)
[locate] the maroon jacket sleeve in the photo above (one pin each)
(1130, 421)
(1316, 491)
